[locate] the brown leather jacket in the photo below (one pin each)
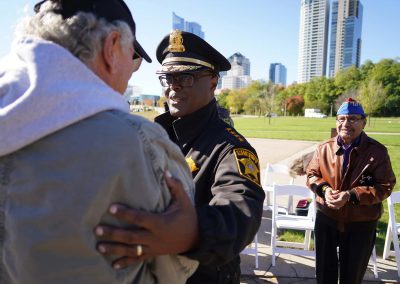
(369, 178)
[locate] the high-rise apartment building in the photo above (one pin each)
(277, 73)
(313, 39)
(239, 61)
(191, 27)
(238, 76)
(345, 45)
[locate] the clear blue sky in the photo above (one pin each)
(265, 31)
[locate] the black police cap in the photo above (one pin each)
(185, 52)
(111, 10)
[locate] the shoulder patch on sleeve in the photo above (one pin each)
(248, 165)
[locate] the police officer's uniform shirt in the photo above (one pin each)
(226, 173)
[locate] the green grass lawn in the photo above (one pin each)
(313, 129)
(300, 128)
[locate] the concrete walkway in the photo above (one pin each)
(292, 269)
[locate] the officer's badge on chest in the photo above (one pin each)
(192, 164)
(248, 165)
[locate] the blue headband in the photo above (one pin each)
(350, 106)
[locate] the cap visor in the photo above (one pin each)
(36, 8)
(141, 51)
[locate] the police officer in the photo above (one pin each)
(225, 168)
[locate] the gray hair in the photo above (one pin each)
(83, 34)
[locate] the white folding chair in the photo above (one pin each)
(294, 222)
(373, 260)
(393, 231)
(252, 249)
(276, 173)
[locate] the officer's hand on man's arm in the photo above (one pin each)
(172, 232)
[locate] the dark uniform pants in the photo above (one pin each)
(355, 247)
(225, 274)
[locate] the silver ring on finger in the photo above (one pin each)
(139, 250)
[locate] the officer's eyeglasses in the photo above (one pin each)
(349, 119)
(182, 79)
(137, 61)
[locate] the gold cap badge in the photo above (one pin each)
(176, 42)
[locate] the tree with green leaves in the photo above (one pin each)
(262, 98)
(347, 80)
(252, 106)
(365, 69)
(236, 100)
(294, 90)
(371, 95)
(221, 98)
(387, 72)
(267, 98)
(255, 96)
(320, 93)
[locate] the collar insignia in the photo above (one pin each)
(235, 134)
(176, 42)
(248, 165)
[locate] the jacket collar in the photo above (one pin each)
(183, 130)
(360, 143)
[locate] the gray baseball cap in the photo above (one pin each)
(111, 10)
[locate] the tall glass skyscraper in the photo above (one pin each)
(191, 27)
(178, 23)
(277, 73)
(345, 45)
(332, 44)
(313, 39)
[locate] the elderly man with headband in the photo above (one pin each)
(351, 175)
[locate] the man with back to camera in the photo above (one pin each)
(69, 148)
(351, 175)
(225, 168)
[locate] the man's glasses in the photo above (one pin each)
(136, 55)
(137, 61)
(182, 79)
(350, 119)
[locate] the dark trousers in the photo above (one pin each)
(225, 274)
(355, 247)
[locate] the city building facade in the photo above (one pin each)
(191, 27)
(346, 26)
(313, 39)
(238, 76)
(132, 92)
(277, 73)
(148, 100)
(239, 61)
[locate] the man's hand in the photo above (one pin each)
(336, 199)
(171, 232)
